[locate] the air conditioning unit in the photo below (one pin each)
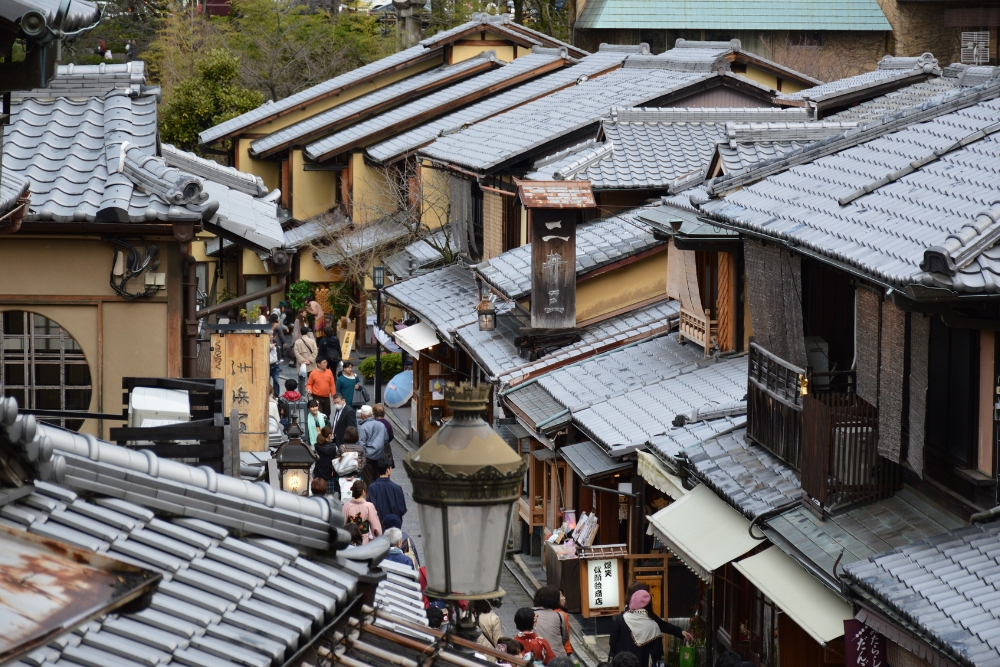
(852, 454)
(975, 48)
(152, 406)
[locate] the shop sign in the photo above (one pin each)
(863, 647)
(603, 583)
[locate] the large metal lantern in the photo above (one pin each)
(486, 313)
(294, 459)
(466, 479)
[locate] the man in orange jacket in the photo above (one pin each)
(322, 385)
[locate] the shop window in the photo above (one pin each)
(256, 284)
(42, 366)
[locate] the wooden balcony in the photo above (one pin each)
(700, 328)
(840, 459)
(774, 404)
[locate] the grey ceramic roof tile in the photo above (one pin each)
(418, 256)
(363, 239)
(364, 106)
(341, 82)
(604, 241)
(12, 188)
(889, 232)
(445, 298)
(376, 128)
(509, 136)
(901, 71)
(935, 585)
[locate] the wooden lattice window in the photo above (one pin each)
(42, 366)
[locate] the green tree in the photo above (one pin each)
(210, 96)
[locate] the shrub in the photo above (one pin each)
(392, 364)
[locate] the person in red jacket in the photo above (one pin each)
(536, 649)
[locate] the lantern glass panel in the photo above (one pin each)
(295, 480)
(477, 540)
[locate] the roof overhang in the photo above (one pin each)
(590, 462)
(807, 601)
(703, 531)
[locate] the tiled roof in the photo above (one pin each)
(932, 225)
(750, 143)
(238, 584)
(244, 209)
(362, 108)
(376, 128)
(890, 71)
(852, 15)
(859, 531)
(598, 243)
(420, 255)
(507, 137)
(943, 586)
(330, 87)
(79, 14)
(538, 406)
(414, 138)
(654, 148)
(363, 239)
(199, 166)
(746, 475)
(737, 157)
(445, 298)
(12, 188)
(83, 81)
(898, 100)
(92, 157)
(496, 353)
(623, 398)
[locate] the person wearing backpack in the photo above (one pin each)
(362, 513)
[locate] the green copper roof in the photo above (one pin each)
(734, 14)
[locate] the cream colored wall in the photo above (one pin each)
(252, 264)
(770, 80)
(268, 170)
(313, 271)
(621, 287)
(371, 196)
(434, 197)
(313, 192)
(66, 280)
(464, 52)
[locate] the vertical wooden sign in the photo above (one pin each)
(553, 268)
(241, 359)
(554, 210)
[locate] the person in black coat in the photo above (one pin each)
(327, 450)
(342, 415)
(638, 629)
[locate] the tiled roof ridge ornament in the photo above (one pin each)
(925, 62)
(733, 45)
(640, 49)
(960, 248)
(589, 157)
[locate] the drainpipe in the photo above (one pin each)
(184, 233)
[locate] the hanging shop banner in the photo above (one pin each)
(863, 646)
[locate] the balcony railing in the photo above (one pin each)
(774, 404)
(699, 327)
(840, 459)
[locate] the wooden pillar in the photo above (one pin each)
(726, 303)
(987, 395)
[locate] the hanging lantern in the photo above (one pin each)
(487, 314)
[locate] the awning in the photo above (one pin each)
(703, 531)
(807, 601)
(656, 474)
(545, 454)
(416, 337)
(590, 462)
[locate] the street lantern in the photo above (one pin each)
(378, 277)
(466, 479)
(294, 459)
(486, 312)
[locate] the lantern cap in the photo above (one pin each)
(485, 306)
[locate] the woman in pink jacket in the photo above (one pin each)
(362, 513)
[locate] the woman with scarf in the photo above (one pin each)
(638, 630)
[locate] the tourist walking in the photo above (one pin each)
(386, 495)
(348, 382)
(639, 631)
(327, 450)
(315, 421)
(409, 548)
(396, 555)
(305, 355)
(322, 386)
(549, 623)
(342, 417)
(362, 513)
(538, 648)
(372, 440)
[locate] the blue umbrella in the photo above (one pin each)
(399, 390)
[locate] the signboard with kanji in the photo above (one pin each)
(604, 585)
(553, 268)
(863, 646)
(241, 359)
